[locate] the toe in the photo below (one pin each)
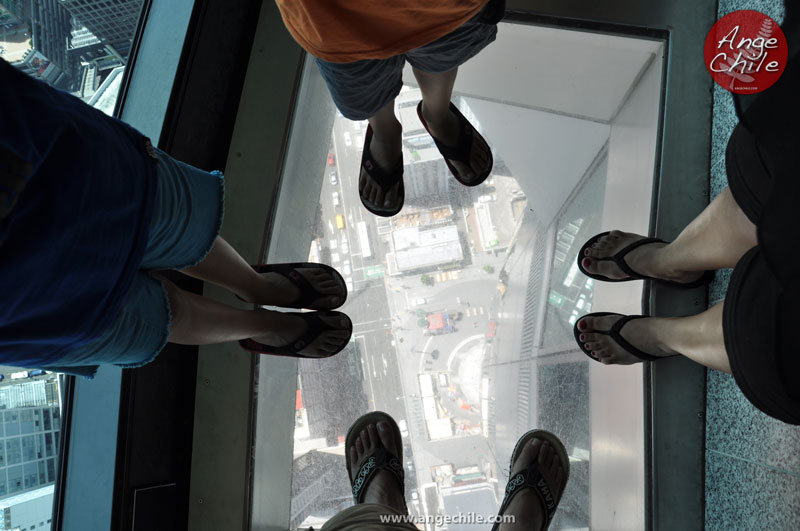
(528, 454)
(360, 446)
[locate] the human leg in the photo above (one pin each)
(365, 90)
(225, 267)
(385, 148)
(197, 320)
(446, 127)
(717, 238)
(698, 337)
(378, 486)
(538, 476)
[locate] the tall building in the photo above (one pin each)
(30, 438)
(112, 21)
(11, 12)
(333, 393)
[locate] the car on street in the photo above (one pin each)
(335, 199)
(333, 244)
(346, 270)
(339, 221)
(487, 198)
(331, 159)
(344, 247)
(333, 178)
(349, 283)
(403, 427)
(348, 140)
(335, 258)
(419, 301)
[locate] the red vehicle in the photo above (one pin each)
(331, 160)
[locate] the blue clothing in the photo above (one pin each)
(186, 220)
(73, 243)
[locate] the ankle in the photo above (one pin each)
(386, 131)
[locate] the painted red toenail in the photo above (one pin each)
(586, 252)
(593, 354)
(586, 262)
(582, 325)
(587, 346)
(582, 337)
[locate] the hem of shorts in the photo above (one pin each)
(363, 115)
(735, 354)
(455, 64)
(217, 229)
(165, 331)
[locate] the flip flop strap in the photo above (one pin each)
(531, 478)
(619, 258)
(616, 335)
(461, 152)
(308, 294)
(384, 179)
(381, 459)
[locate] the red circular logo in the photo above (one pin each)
(745, 52)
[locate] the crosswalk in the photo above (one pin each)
(472, 312)
(445, 276)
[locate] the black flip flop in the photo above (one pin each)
(380, 459)
(619, 259)
(532, 478)
(315, 327)
(308, 294)
(615, 334)
(461, 152)
(383, 179)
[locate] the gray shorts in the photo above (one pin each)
(361, 88)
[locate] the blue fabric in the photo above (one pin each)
(72, 245)
(186, 220)
(362, 88)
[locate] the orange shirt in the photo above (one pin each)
(342, 31)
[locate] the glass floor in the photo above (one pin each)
(463, 304)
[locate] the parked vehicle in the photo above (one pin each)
(37, 372)
(403, 427)
(335, 199)
(333, 177)
(19, 375)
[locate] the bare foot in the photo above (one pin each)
(276, 290)
(447, 130)
(641, 333)
(385, 149)
(286, 328)
(383, 488)
(651, 259)
(527, 508)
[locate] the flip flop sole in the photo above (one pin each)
(267, 268)
(361, 423)
(557, 445)
(259, 348)
(369, 205)
(462, 120)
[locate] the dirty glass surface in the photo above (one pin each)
(463, 304)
